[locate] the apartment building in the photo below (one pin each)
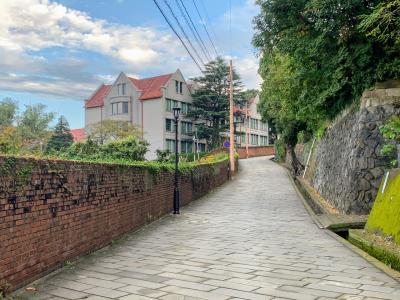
(147, 103)
(253, 132)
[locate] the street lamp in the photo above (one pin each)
(176, 111)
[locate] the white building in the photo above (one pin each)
(147, 103)
(253, 132)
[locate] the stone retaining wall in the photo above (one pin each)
(346, 167)
(54, 211)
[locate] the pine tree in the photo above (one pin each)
(211, 101)
(61, 138)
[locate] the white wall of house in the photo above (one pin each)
(93, 115)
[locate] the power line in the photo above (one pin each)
(183, 30)
(177, 34)
(205, 28)
(193, 29)
(208, 19)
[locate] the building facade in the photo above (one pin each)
(253, 131)
(147, 103)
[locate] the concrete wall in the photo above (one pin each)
(346, 167)
(54, 211)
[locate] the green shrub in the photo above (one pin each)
(391, 132)
(280, 151)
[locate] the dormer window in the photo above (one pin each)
(178, 87)
(121, 89)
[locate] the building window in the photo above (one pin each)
(170, 145)
(186, 127)
(263, 140)
(202, 147)
(121, 89)
(169, 125)
(185, 107)
(178, 87)
(186, 146)
(254, 139)
(170, 104)
(119, 108)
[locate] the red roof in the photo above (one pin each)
(79, 135)
(97, 99)
(151, 87)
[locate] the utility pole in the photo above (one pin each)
(231, 125)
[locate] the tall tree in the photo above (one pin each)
(8, 111)
(109, 130)
(34, 121)
(61, 138)
(211, 101)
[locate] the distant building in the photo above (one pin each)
(147, 103)
(79, 135)
(253, 132)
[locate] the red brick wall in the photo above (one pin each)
(256, 151)
(54, 211)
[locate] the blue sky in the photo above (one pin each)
(58, 52)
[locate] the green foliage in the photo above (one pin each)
(109, 130)
(129, 149)
(163, 155)
(280, 151)
(317, 59)
(211, 101)
(391, 132)
(8, 111)
(34, 122)
(61, 138)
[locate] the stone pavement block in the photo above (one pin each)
(230, 285)
(177, 297)
(381, 295)
(131, 289)
(194, 293)
(135, 297)
(332, 288)
(381, 289)
(105, 292)
(102, 283)
(67, 293)
(206, 275)
(142, 283)
(241, 294)
(285, 294)
(73, 285)
(183, 277)
(85, 273)
(307, 291)
(190, 285)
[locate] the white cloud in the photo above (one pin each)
(28, 27)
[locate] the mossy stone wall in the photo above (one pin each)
(385, 214)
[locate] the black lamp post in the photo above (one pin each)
(176, 111)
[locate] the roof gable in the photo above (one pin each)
(151, 87)
(97, 99)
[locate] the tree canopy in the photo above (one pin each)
(108, 130)
(61, 138)
(211, 101)
(318, 56)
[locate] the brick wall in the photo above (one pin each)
(54, 211)
(256, 151)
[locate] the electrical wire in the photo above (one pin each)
(183, 30)
(205, 28)
(177, 34)
(193, 28)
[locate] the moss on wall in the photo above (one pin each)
(385, 214)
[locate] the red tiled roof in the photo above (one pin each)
(151, 87)
(79, 135)
(97, 99)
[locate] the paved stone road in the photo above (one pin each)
(250, 239)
